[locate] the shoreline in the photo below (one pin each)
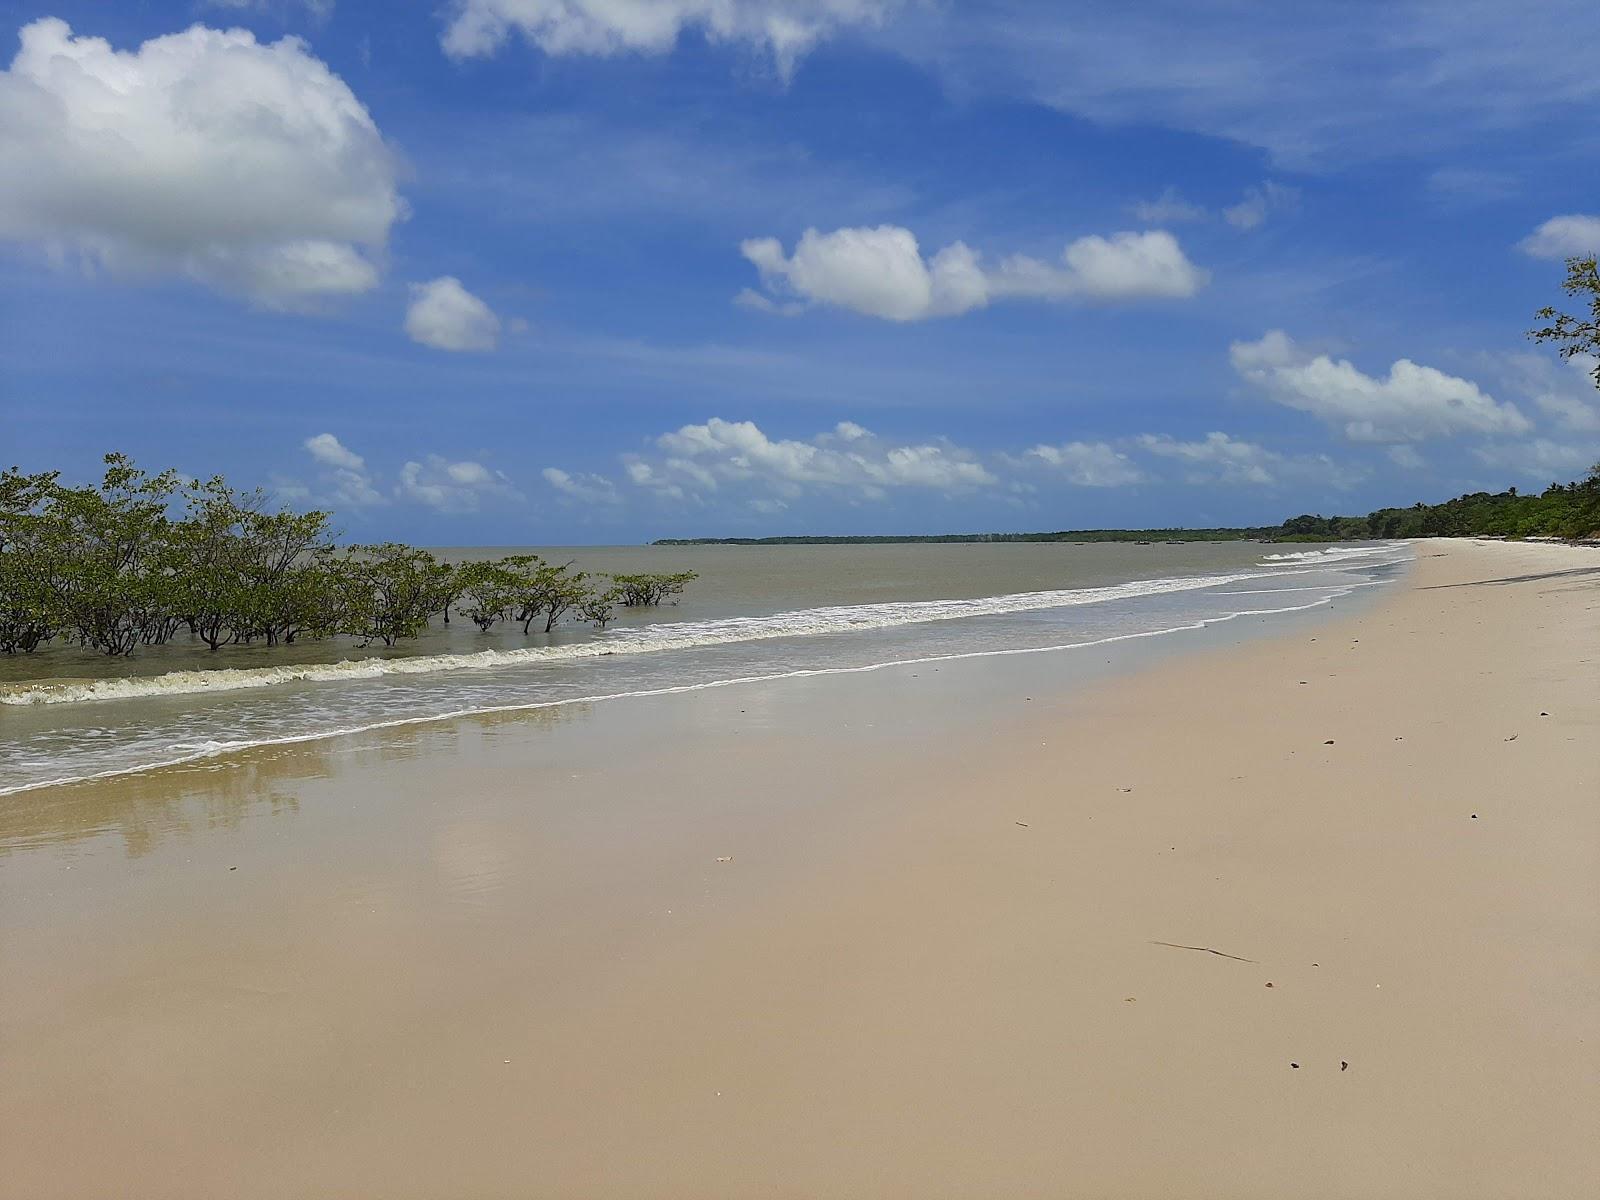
(661, 658)
(867, 939)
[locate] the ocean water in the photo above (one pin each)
(755, 613)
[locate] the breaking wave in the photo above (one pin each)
(182, 754)
(60, 735)
(683, 635)
(1332, 554)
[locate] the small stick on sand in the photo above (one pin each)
(1204, 950)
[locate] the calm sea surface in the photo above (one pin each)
(755, 612)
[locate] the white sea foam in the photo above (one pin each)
(684, 635)
(192, 752)
(1333, 554)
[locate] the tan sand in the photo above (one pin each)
(959, 947)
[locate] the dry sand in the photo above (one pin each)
(933, 932)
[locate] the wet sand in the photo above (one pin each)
(958, 930)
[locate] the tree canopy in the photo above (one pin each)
(1573, 335)
(139, 559)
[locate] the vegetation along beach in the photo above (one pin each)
(808, 599)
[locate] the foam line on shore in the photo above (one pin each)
(644, 640)
(214, 749)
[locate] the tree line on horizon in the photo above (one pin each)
(109, 567)
(1563, 510)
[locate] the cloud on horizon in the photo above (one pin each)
(453, 487)
(1412, 403)
(1089, 464)
(433, 482)
(695, 461)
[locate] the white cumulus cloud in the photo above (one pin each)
(1572, 236)
(1220, 458)
(1563, 389)
(698, 460)
(442, 484)
(1575, 405)
(1217, 458)
(1411, 403)
(881, 272)
(1089, 464)
(453, 487)
(584, 488)
(330, 451)
(785, 29)
(248, 167)
(345, 478)
(446, 316)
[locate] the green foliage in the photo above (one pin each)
(205, 558)
(106, 548)
(29, 613)
(547, 591)
(599, 608)
(135, 559)
(286, 582)
(388, 592)
(1574, 335)
(525, 588)
(639, 591)
(1562, 510)
(490, 592)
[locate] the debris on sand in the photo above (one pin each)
(1203, 950)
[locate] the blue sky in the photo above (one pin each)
(510, 271)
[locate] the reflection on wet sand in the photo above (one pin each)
(144, 810)
(169, 803)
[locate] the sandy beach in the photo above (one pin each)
(1315, 914)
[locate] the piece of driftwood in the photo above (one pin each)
(1204, 950)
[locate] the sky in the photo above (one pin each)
(599, 271)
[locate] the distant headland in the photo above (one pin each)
(1568, 511)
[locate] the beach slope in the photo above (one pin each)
(1314, 915)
